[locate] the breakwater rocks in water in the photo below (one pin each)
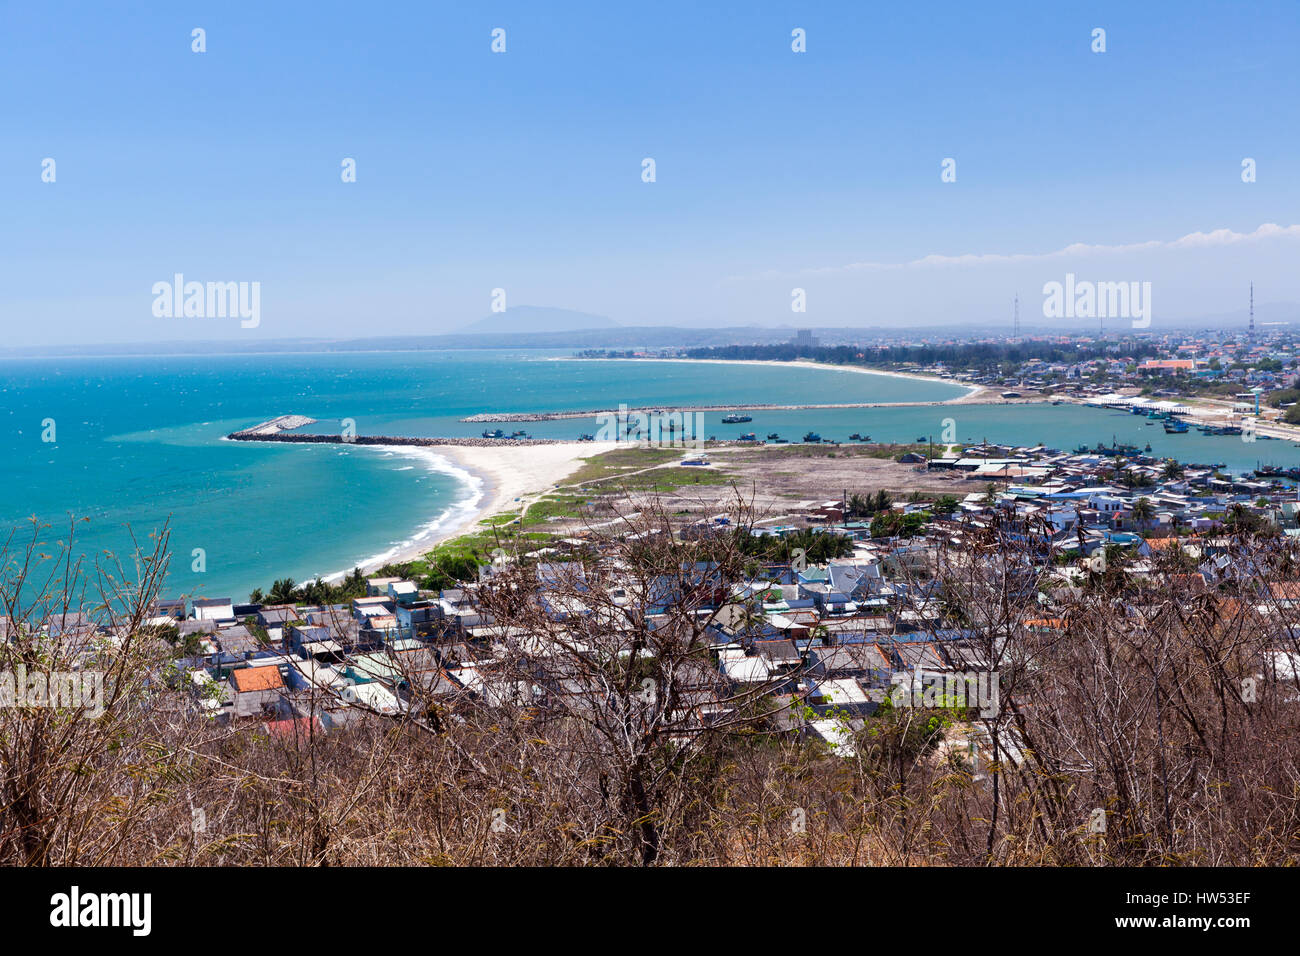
(249, 435)
(273, 427)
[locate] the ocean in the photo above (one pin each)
(139, 442)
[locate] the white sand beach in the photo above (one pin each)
(504, 477)
(509, 478)
(514, 477)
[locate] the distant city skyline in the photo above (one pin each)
(489, 179)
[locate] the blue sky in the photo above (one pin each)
(522, 170)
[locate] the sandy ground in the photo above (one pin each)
(800, 473)
(512, 478)
(776, 480)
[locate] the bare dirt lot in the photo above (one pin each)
(801, 472)
(770, 478)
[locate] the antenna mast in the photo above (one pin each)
(1252, 313)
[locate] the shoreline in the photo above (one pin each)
(795, 363)
(499, 479)
(975, 394)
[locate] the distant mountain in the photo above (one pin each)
(539, 318)
(631, 337)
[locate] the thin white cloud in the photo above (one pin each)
(1194, 240)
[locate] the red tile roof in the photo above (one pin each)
(248, 679)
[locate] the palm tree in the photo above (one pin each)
(750, 619)
(282, 591)
(1143, 511)
(1172, 470)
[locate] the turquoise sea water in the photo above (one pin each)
(139, 442)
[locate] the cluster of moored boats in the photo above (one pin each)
(1169, 420)
(1174, 425)
(810, 438)
(1277, 471)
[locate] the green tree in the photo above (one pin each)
(1143, 511)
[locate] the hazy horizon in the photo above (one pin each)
(507, 178)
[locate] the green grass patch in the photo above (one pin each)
(612, 463)
(670, 479)
(557, 506)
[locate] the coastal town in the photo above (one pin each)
(647, 445)
(830, 639)
(838, 635)
(656, 647)
(1210, 374)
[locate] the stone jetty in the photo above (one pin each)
(272, 427)
(296, 438)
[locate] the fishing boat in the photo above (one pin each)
(922, 440)
(856, 437)
(749, 436)
(812, 437)
(495, 433)
(519, 434)
(1114, 450)
(1175, 427)
(734, 419)
(1148, 447)
(585, 437)
(773, 437)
